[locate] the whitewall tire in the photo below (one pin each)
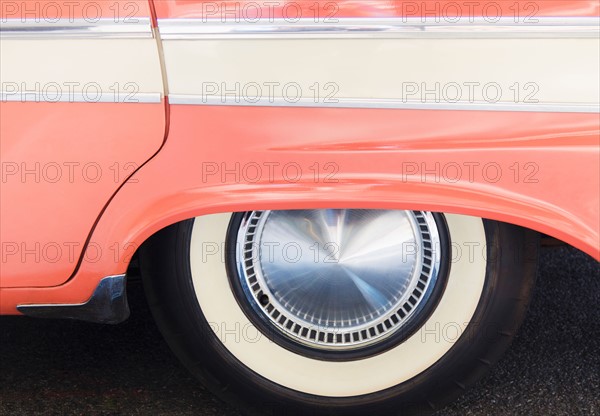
(485, 289)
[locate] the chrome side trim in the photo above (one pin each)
(76, 28)
(400, 28)
(387, 104)
(108, 305)
(78, 97)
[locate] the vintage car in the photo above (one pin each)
(336, 206)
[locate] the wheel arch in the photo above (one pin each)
(130, 220)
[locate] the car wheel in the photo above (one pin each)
(346, 312)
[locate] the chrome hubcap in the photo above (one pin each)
(337, 279)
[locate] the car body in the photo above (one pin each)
(119, 119)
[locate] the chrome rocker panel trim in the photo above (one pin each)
(139, 27)
(108, 305)
(183, 99)
(383, 28)
(79, 97)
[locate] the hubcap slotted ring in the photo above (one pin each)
(337, 280)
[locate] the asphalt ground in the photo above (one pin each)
(73, 368)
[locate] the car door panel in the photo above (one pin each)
(82, 109)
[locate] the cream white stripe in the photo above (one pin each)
(371, 72)
(62, 67)
(385, 104)
(393, 28)
(76, 28)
